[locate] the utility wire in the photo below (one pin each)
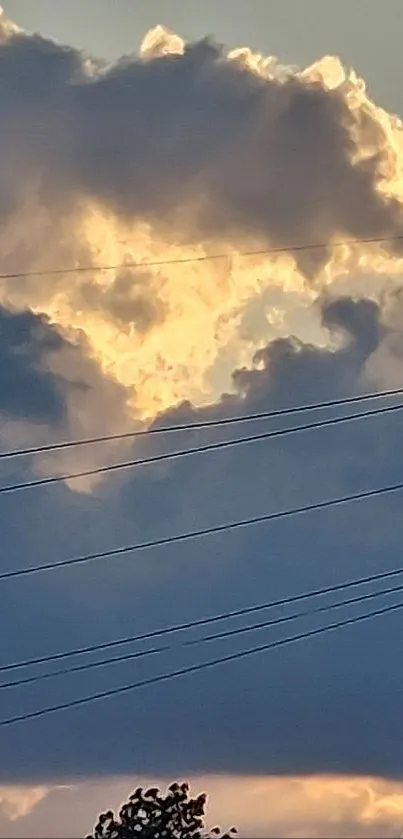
(198, 534)
(195, 668)
(188, 260)
(193, 450)
(213, 423)
(217, 636)
(180, 627)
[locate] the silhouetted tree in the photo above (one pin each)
(150, 815)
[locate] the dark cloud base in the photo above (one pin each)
(328, 706)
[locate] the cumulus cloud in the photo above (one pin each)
(235, 153)
(181, 152)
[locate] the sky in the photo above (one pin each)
(149, 134)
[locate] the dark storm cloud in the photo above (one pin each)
(330, 705)
(196, 141)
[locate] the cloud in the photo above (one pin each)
(326, 807)
(50, 389)
(234, 153)
(179, 153)
(182, 151)
(320, 707)
(18, 802)
(27, 388)
(128, 301)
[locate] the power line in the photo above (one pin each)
(217, 636)
(213, 423)
(88, 269)
(195, 668)
(193, 450)
(180, 627)
(198, 534)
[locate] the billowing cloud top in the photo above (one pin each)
(185, 152)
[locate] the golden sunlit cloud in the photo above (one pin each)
(167, 333)
(17, 801)
(321, 807)
(197, 307)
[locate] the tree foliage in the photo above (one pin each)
(150, 815)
